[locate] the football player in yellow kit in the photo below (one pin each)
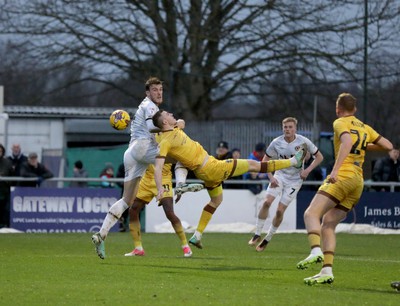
(342, 189)
(175, 144)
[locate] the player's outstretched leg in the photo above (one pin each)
(395, 285)
(300, 155)
(311, 259)
(319, 279)
(98, 242)
(181, 188)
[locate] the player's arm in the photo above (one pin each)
(159, 164)
(318, 158)
(346, 144)
(382, 144)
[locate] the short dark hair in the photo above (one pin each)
(152, 81)
(78, 164)
(157, 119)
(260, 147)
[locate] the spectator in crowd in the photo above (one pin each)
(5, 170)
(236, 154)
(387, 169)
(222, 151)
(314, 175)
(105, 174)
(17, 158)
(79, 172)
(258, 155)
(32, 168)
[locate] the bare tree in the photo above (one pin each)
(208, 51)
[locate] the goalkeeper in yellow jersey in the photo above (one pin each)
(175, 144)
(342, 189)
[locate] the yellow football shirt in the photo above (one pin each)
(177, 145)
(361, 134)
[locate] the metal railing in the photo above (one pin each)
(367, 184)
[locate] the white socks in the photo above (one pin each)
(259, 226)
(180, 173)
(272, 230)
(316, 251)
(112, 217)
(197, 235)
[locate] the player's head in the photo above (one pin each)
(345, 105)
(163, 119)
(154, 90)
(289, 126)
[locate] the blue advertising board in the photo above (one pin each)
(61, 210)
(380, 209)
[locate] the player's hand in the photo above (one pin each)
(274, 183)
(303, 175)
(333, 177)
(160, 194)
(180, 123)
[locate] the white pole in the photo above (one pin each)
(1, 99)
(3, 120)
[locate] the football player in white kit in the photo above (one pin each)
(141, 152)
(285, 183)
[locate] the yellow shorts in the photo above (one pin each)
(215, 171)
(148, 190)
(346, 192)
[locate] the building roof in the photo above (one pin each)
(60, 112)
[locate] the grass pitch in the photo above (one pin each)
(63, 269)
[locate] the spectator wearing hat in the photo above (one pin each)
(79, 172)
(257, 154)
(222, 151)
(32, 168)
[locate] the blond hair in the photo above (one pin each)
(289, 119)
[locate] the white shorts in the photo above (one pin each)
(140, 154)
(287, 190)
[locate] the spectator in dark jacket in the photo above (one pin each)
(32, 168)
(5, 170)
(17, 159)
(222, 151)
(79, 172)
(387, 169)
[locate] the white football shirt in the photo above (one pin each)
(146, 111)
(279, 148)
